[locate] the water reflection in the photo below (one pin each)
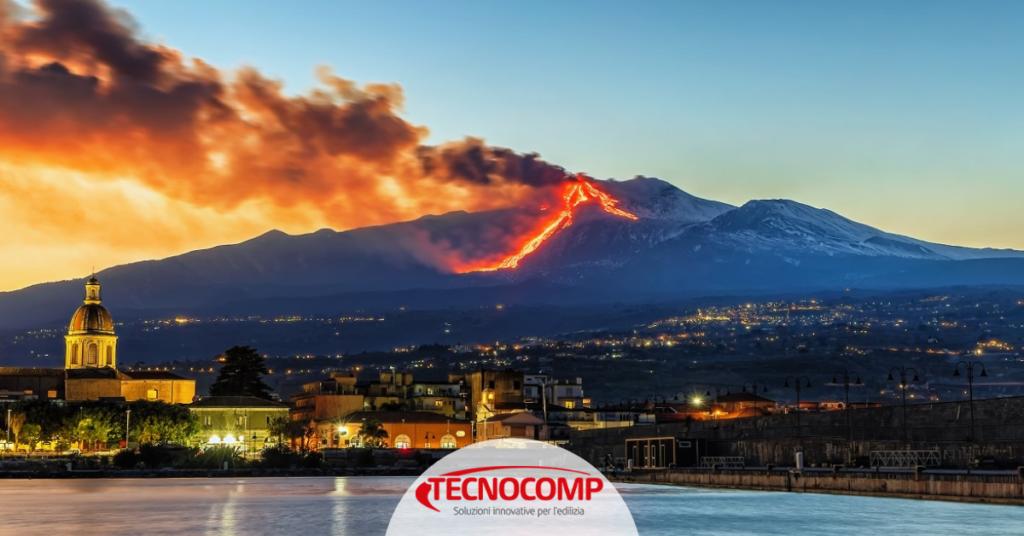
(363, 506)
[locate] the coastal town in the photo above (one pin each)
(418, 403)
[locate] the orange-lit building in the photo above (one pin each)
(332, 405)
(743, 404)
(327, 400)
(408, 430)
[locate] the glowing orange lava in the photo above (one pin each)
(575, 193)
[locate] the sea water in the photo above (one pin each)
(363, 505)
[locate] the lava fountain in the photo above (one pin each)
(575, 193)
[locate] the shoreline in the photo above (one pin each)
(931, 498)
(148, 474)
(980, 489)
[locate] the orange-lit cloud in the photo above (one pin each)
(115, 149)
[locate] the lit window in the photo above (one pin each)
(439, 403)
(151, 394)
(448, 442)
(569, 404)
(402, 442)
(51, 394)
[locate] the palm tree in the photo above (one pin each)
(17, 422)
(373, 434)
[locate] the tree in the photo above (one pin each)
(280, 427)
(31, 433)
(17, 422)
(373, 435)
(242, 374)
(296, 432)
(159, 423)
(93, 430)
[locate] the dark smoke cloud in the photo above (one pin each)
(81, 90)
(474, 162)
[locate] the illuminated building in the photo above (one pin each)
(90, 366)
(407, 430)
(90, 342)
(244, 419)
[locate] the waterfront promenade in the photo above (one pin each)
(997, 487)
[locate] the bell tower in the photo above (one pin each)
(90, 342)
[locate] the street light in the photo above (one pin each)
(797, 380)
(718, 392)
(753, 389)
(903, 371)
(693, 398)
(969, 367)
(846, 374)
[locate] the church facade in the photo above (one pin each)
(90, 366)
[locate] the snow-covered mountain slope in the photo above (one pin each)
(655, 199)
(600, 239)
(789, 227)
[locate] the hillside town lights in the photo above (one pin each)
(903, 371)
(796, 384)
(847, 374)
(969, 367)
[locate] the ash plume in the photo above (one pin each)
(82, 90)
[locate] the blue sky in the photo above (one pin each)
(905, 115)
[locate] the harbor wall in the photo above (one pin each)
(986, 488)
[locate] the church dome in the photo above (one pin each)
(92, 317)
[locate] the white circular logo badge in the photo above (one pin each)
(513, 486)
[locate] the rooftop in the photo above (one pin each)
(409, 417)
(151, 375)
(31, 371)
(237, 402)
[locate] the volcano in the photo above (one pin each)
(639, 240)
(575, 192)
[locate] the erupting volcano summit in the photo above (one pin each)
(574, 193)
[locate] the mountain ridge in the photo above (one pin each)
(680, 244)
